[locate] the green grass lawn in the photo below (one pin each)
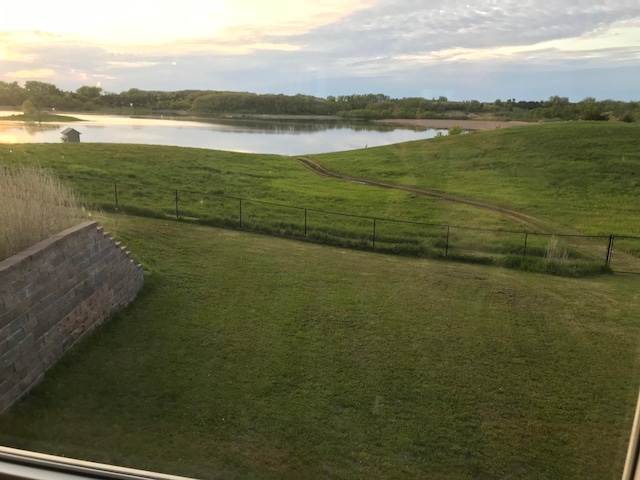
(579, 177)
(575, 177)
(273, 178)
(207, 182)
(584, 176)
(248, 356)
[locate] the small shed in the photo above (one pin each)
(70, 135)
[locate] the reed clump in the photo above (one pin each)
(34, 204)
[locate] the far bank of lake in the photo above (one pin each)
(254, 135)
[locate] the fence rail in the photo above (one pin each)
(572, 253)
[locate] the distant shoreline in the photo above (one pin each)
(42, 118)
(439, 123)
(427, 123)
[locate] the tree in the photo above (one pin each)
(12, 94)
(590, 109)
(42, 94)
(28, 108)
(89, 93)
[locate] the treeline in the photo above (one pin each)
(210, 103)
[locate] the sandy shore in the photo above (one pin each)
(446, 123)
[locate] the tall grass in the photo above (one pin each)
(34, 204)
(556, 250)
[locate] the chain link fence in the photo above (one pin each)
(555, 253)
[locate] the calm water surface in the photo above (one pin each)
(255, 136)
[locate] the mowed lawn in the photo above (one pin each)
(580, 175)
(148, 176)
(248, 356)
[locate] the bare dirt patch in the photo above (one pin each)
(447, 123)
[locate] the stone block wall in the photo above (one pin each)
(52, 295)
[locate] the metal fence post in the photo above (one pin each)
(225, 199)
(609, 250)
(374, 233)
(446, 250)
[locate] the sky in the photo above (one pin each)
(472, 49)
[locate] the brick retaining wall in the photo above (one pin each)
(54, 293)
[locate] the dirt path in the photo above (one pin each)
(627, 262)
(528, 221)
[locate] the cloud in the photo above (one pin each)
(126, 24)
(400, 47)
(39, 74)
(399, 38)
(131, 64)
(404, 27)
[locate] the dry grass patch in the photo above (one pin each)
(34, 204)
(556, 249)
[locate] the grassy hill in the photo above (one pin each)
(272, 178)
(584, 176)
(579, 176)
(571, 178)
(248, 356)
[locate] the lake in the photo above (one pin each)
(284, 137)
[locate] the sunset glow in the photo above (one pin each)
(326, 47)
(131, 24)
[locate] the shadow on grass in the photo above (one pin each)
(572, 267)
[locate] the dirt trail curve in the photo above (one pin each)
(519, 217)
(627, 263)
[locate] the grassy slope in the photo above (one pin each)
(253, 357)
(262, 177)
(584, 175)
